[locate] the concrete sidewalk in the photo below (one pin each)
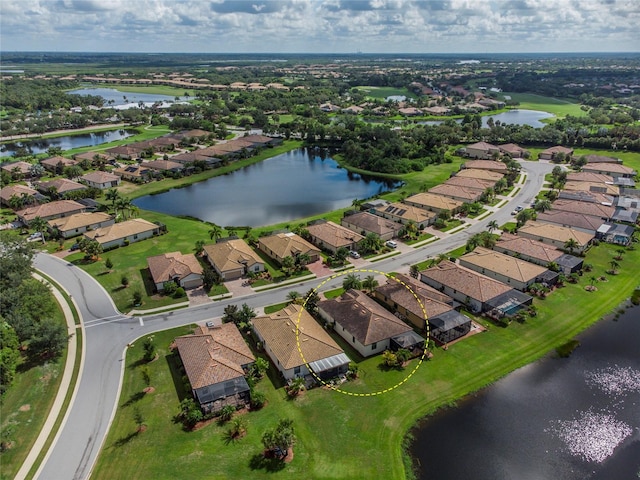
(65, 383)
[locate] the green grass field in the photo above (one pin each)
(25, 408)
(152, 89)
(340, 436)
(560, 108)
(381, 93)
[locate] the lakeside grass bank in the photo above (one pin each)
(340, 436)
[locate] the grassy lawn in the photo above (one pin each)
(25, 408)
(152, 89)
(143, 134)
(274, 308)
(340, 436)
(560, 108)
(384, 92)
(421, 238)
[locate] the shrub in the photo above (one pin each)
(179, 293)
(170, 287)
(190, 413)
(258, 399)
(149, 349)
(227, 413)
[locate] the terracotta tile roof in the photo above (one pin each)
(589, 177)
(604, 188)
(50, 209)
(609, 167)
(279, 332)
(62, 185)
(601, 158)
(363, 317)
(79, 220)
(482, 146)
(288, 245)
(529, 247)
(16, 190)
(555, 232)
(479, 173)
(455, 191)
(586, 208)
(465, 281)
(431, 200)
(120, 230)
(162, 165)
(334, 234)
(168, 266)
(372, 223)
(231, 255)
(215, 356)
(557, 149)
(486, 165)
(571, 219)
(502, 264)
(433, 301)
(512, 149)
(54, 161)
(90, 156)
(23, 167)
(99, 177)
(406, 212)
(592, 197)
(475, 183)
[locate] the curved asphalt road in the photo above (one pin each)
(107, 333)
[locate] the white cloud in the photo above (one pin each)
(410, 26)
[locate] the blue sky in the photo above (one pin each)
(320, 26)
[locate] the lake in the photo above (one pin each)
(517, 117)
(290, 186)
(570, 418)
(65, 143)
(120, 99)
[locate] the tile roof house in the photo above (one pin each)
(30, 194)
(126, 152)
(365, 222)
(62, 186)
(612, 169)
(603, 188)
(479, 292)
(616, 233)
(592, 197)
(514, 150)
(491, 165)
(123, 233)
(537, 252)
(589, 177)
(475, 183)
(20, 168)
(277, 334)
(163, 165)
(91, 157)
(456, 192)
(331, 236)
(407, 296)
(288, 244)
(233, 258)
(509, 270)
(555, 235)
(57, 164)
(578, 221)
(183, 269)
(49, 211)
(362, 322)
(100, 180)
(216, 360)
(405, 213)
(601, 159)
(482, 150)
(480, 174)
(79, 223)
(434, 203)
(587, 208)
(133, 173)
(549, 153)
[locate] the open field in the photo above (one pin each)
(25, 408)
(340, 436)
(381, 93)
(152, 89)
(560, 108)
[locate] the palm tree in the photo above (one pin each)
(123, 204)
(352, 281)
(571, 245)
(492, 225)
(614, 267)
(370, 283)
(542, 205)
(293, 296)
(287, 265)
(523, 217)
(280, 439)
(112, 195)
(39, 225)
(296, 386)
(619, 253)
(215, 232)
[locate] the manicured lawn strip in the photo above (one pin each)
(556, 106)
(36, 388)
(275, 308)
(421, 238)
(340, 436)
(384, 92)
(153, 89)
(132, 190)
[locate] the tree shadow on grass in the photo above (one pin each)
(147, 280)
(124, 440)
(260, 462)
(177, 372)
(136, 397)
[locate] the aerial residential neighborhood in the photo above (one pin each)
(317, 265)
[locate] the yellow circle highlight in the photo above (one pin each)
(366, 394)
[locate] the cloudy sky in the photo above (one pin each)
(322, 26)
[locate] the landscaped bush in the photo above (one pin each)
(258, 399)
(179, 293)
